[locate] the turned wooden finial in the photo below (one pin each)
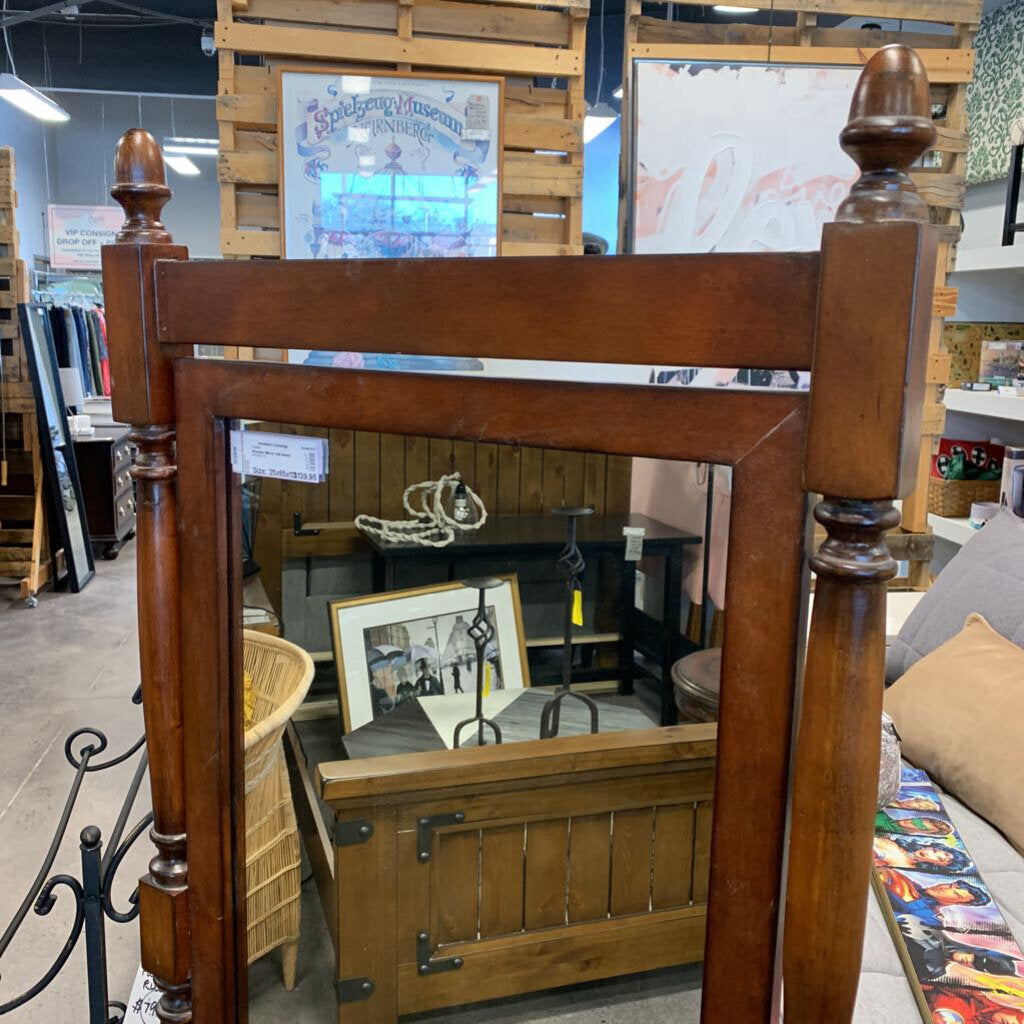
(141, 187)
(890, 127)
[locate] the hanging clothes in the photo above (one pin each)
(101, 321)
(82, 333)
(74, 349)
(60, 336)
(94, 350)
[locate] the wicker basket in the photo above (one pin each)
(281, 674)
(954, 497)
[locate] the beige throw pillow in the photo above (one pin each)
(960, 713)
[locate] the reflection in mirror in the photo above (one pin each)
(417, 617)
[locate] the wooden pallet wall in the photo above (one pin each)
(369, 472)
(543, 126)
(24, 554)
(949, 60)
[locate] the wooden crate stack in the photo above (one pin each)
(24, 554)
(949, 59)
(543, 127)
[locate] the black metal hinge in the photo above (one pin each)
(424, 965)
(425, 828)
(354, 990)
(351, 833)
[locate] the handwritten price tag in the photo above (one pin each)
(142, 1002)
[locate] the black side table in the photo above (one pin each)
(513, 539)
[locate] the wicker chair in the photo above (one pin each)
(280, 674)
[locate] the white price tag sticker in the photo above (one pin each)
(280, 456)
(634, 542)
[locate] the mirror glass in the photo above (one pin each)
(57, 449)
(499, 891)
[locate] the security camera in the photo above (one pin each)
(209, 47)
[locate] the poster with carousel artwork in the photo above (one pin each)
(389, 165)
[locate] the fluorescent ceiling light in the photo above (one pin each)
(191, 138)
(618, 93)
(191, 150)
(32, 101)
(181, 164)
(598, 118)
(733, 9)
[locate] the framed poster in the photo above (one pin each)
(737, 157)
(77, 233)
(394, 646)
(389, 164)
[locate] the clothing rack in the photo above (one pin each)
(78, 328)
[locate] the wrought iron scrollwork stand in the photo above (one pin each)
(482, 633)
(93, 893)
(571, 566)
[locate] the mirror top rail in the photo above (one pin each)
(746, 310)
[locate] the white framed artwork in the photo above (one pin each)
(737, 157)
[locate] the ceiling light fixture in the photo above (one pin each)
(597, 119)
(617, 93)
(181, 164)
(30, 100)
(189, 146)
(733, 9)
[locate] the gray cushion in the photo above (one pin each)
(986, 576)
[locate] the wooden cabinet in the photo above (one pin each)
(104, 465)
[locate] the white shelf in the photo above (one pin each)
(959, 531)
(991, 257)
(985, 403)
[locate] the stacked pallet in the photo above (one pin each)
(949, 59)
(23, 550)
(543, 127)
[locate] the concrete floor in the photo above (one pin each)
(73, 661)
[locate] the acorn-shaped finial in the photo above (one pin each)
(890, 127)
(141, 187)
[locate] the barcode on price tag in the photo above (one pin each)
(279, 456)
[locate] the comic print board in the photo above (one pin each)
(963, 962)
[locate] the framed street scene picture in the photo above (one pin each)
(392, 647)
(389, 165)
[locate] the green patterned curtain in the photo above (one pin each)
(995, 99)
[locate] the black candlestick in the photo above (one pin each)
(571, 565)
(482, 633)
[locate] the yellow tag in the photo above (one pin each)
(487, 679)
(577, 607)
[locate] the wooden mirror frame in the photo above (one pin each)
(856, 314)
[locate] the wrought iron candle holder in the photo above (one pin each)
(571, 565)
(482, 633)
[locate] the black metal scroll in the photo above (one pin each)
(92, 893)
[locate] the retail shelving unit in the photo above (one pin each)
(949, 60)
(24, 554)
(984, 415)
